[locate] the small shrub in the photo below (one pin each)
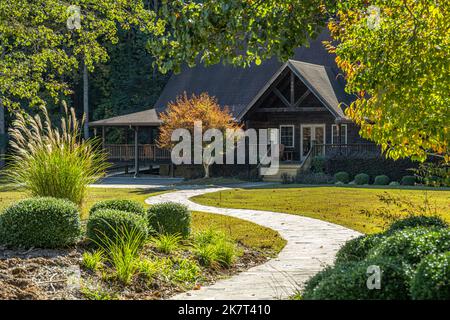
(408, 181)
(205, 254)
(154, 268)
(357, 249)
(313, 178)
(362, 178)
(418, 221)
(342, 176)
(411, 245)
(226, 253)
(167, 243)
(382, 180)
(93, 260)
(318, 164)
(432, 278)
(349, 281)
(185, 271)
(314, 281)
(121, 205)
(170, 218)
(394, 183)
(107, 222)
(40, 222)
(208, 236)
(286, 178)
(213, 248)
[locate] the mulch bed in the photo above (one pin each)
(57, 275)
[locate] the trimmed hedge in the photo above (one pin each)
(417, 221)
(40, 222)
(413, 244)
(381, 180)
(108, 222)
(432, 278)
(349, 281)
(120, 204)
(357, 249)
(342, 176)
(170, 218)
(362, 178)
(408, 181)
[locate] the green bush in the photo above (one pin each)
(417, 221)
(318, 164)
(412, 244)
(121, 205)
(382, 180)
(349, 281)
(408, 181)
(40, 222)
(315, 280)
(432, 278)
(106, 223)
(313, 178)
(361, 179)
(170, 218)
(357, 249)
(342, 176)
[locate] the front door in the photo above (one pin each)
(311, 134)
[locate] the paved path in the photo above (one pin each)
(311, 244)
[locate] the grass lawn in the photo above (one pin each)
(353, 207)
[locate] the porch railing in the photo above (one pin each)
(357, 150)
(146, 152)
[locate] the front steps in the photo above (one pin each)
(289, 169)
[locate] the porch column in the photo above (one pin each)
(339, 130)
(136, 152)
(103, 137)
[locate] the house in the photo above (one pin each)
(304, 98)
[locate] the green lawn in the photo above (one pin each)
(355, 208)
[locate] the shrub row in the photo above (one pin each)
(413, 256)
(343, 177)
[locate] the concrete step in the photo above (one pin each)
(290, 169)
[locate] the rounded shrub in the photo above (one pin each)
(349, 281)
(417, 221)
(40, 222)
(357, 249)
(362, 178)
(120, 204)
(109, 223)
(381, 180)
(342, 176)
(408, 181)
(432, 278)
(412, 244)
(170, 218)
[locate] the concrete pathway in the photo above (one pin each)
(311, 244)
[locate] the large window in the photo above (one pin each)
(335, 136)
(287, 135)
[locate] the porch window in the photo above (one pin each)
(335, 136)
(287, 135)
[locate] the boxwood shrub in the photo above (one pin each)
(362, 178)
(170, 218)
(357, 249)
(349, 281)
(417, 221)
(408, 180)
(342, 176)
(381, 180)
(119, 204)
(432, 278)
(413, 244)
(40, 222)
(108, 223)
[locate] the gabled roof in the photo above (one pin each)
(321, 80)
(142, 118)
(237, 87)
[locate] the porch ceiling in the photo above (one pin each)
(137, 119)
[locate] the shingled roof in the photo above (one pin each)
(237, 87)
(142, 118)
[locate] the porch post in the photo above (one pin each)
(136, 153)
(103, 137)
(339, 130)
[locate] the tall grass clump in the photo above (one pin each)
(54, 162)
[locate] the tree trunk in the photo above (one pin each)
(2, 134)
(86, 101)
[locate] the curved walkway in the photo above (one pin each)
(311, 244)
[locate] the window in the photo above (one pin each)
(287, 135)
(334, 134)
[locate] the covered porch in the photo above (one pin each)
(137, 133)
